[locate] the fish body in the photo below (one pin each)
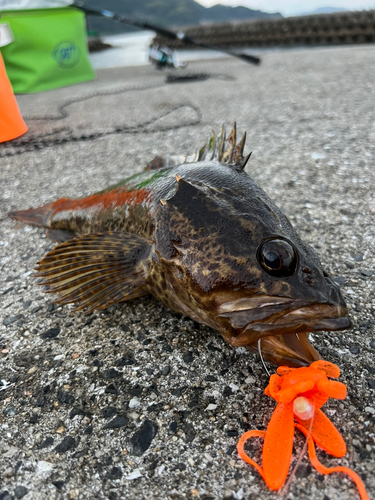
(200, 235)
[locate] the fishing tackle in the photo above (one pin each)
(162, 57)
(171, 35)
(300, 393)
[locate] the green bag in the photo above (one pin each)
(49, 49)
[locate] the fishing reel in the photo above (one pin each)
(162, 57)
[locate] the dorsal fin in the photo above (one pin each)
(225, 151)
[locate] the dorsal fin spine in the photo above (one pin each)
(212, 145)
(226, 151)
(202, 152)
(222, 144)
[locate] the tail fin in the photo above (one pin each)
(39, 217)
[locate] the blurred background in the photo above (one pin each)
(230, 23)
(49, 44)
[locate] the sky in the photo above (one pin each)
(293, 7)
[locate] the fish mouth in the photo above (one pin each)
(283, 325)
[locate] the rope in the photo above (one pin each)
(32, 142)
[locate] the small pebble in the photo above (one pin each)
(250, 380)
(134, 402)
(46, 443)
(354, 349)
(109, 412)
(33, 418)
(20, 491)
(44, 466)
(11, 319)
(142, 438)
(173, 426)
(112, 373)
(133, 475)
(117, 423)
(58, 484)
(166, 370)
(50, 334)
(115, 473)
(111, 389)
(5, 495)
(188, 358)
(66, 444)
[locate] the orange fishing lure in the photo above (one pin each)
(300, 393)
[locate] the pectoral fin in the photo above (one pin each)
(97, 270)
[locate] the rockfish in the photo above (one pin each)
(200, 235)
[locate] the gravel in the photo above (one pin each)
(136, 401)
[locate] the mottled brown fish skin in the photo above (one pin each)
(206, 241)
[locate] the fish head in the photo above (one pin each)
(232, 261)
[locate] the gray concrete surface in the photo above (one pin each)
(310, 119)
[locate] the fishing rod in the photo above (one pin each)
(161, 31)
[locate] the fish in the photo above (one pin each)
(201, 236)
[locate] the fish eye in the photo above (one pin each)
(277, 257)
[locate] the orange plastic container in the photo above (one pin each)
(11, 121)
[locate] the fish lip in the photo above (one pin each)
(333, 324)
(284, 312)
(288, 349)
(307, 319)
(289, 345)
(283, 326)
(249, 303)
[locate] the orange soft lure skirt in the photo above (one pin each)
(11, 122)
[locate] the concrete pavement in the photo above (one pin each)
(83, 395)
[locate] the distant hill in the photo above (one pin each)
(324, 10)
(168, 13)
(328, 10)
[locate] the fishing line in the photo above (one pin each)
(261, 357)
(283, 491)
(62, 113)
